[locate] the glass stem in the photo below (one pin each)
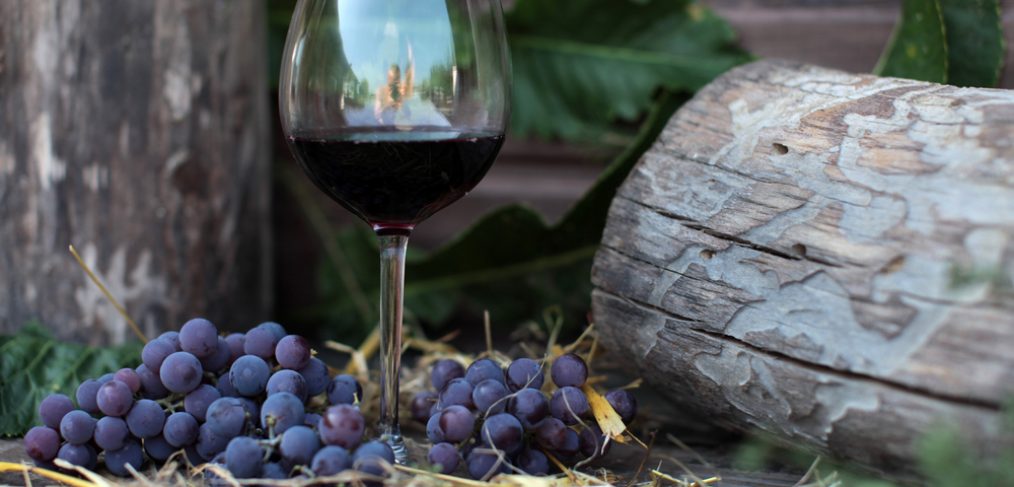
(392, 290)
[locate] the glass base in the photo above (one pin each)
(397, 444)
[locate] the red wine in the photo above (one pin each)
(395, 179)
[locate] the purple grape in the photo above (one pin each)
(292, 352)
(105, 378)
(299, 444)
(260, 342)
(286, 380)
(274, 471)
(128, 376)
(77, 427)
(373, 457)
(114, 398)
(209, 443)
(235, 342)
(456, 392)
(330, 460)
(155, 352)
(483, 464)
(433, 430)
(180, 429)
(281, 411)
(344, 389)
(158, 448)
(219, 358)
(444, 456)
(85, 396)
(529, 406)
(181, 372)
(456, 424)
(569, 404)
(244, 457)
(316, 376)
(146, 419)
(53, 408)
(81, 455)
(488, 397)
(110, 433)
(503, 432)
(42, 443)
(342, 425)
(225, 388)
(551, 433)
(277, 330)
(569, 370)
(151, 383)
(624, 403)
(253, 410)
(571, 444)
(593, 442)
(311, 420)
(198, 400)
(524, 373)
(533, 462)
(483, 369)
(421, 404)
(443, 371)
(249, 374)
(173, 337)
(199, 338)
(130, 454)
(226, 417)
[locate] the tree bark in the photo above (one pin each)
(824, 256)
(138, 131)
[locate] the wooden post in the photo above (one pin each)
(824, 256)
(138, 131)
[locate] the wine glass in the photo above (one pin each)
(395, 109)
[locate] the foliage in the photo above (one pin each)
(33, 364)
(918, 46)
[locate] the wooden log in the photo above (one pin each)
(138, 131)
(824, 256)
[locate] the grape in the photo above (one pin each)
(533, 462)
(42, 443)
(316, 377)
(180, 429)
(286, 380)
(443, 371)
(235, 342)
(260, 342)
(151, 383)
(503, 432)
(455, 423)
(155, 352)
(444, 456)
(128, 376)
(569, 370)
(433, 430)
(483, 464)
(192, 455)
(274, 471)
(110, 433)
(311, 420)
(456, 392)
(219, 358)
(225, 388)
(487, 397)
(249, 374)
(85, 395)
(130, 454)
(571, 444)
(624, 403)
(330, 460)
(298, 445)
(226, 417)
(158, 448)
(277, 330)
(281, 411)
(421, 404)
(80, 455)
(342, 425)
(483, 369)
(199, 338)
(344, 389)
(53, 408)
(524, 372)
(529, 406)
(173, 337)
(372, 456)
(146, 419)
(569, 404)
(244, 457)
(198, 400)
(77, 427)
(105, 378)
(292, 352)
(114, 398)
(551, 433)
(593, 442)
(253, 410)
(181, 372)
(209, 442)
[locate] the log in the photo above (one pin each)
(823, 256)
(138, 131)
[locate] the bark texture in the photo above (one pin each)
(824, 256)
(136, 130)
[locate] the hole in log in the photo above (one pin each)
(781, 149)
(707, 254)
(894, 265)
(799, 249)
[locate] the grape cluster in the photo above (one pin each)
(253, 402)
(500, 420)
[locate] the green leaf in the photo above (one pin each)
(580, 65)
(975, 42)
(918, 47)
(33, 365)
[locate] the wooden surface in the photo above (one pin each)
(138, 132)
(824, 256)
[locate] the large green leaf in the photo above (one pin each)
(33, 364)
(510, 262)
(580, 65)
(918, 46)
(974, 41)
